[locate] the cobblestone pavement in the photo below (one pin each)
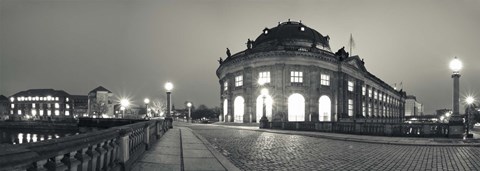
(253, 150)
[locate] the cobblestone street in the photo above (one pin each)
(253, 150)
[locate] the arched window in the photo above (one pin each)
(238, 109)
(225, 110)
(324, 109)
(296, 107)
(268, 102)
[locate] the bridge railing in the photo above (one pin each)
(110, 149)
(366, 128)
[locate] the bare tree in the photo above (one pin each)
(99, 108)
(158, 105)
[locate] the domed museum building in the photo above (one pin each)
(291, 69)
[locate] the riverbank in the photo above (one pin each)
(39, 125)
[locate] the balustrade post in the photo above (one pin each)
(146, 138)
(108, 155)
(70, 162)
(114, 152)
(38, 165)
(55, 163)
(93, 154)
(83, 158)
(157, 126)
(101, 156)
(427, 130)
(124, 149)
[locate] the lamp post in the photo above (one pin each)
(146, 101)
(456, 127)
(469, 101)
(168, 88)
(124, 103)
(264, 93)
(189, 105)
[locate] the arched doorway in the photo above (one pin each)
(324, 109)
(296, 107)
(238, 109)
(269, 103)
(225, 111)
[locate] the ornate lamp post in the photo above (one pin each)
(456, 127)
(168, 88)
(146, 101)
(264, 92)
(189, 105)
(124, 103)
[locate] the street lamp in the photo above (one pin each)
(469, 101)
(146, 101)
(264, 93)
(455, 128)
(124, 103)
(169, 87)
(189, 105)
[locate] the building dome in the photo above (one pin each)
(292, 32)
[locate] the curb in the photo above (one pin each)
(227, 164)
(355, 139)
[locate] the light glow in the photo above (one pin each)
(146, 101)
(189, 104)
(268, 105)
(469, 100)
(168, 86)
(456, 65)
(124, 102)
(238, 109)
(264, 92)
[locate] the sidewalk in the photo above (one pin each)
(181, 149)
(368, 138)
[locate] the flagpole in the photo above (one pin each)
(350, 44)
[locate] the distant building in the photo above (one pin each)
(3, 107)
(305, 80)
(41, 104)
(100, 102)
(80, 108)
(413, 107)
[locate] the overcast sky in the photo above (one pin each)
(132, 47)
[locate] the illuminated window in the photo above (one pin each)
(264, 77)
(49, 112)
(225, 110)
(67, 113)
(238, 109)
(41, 112)
(350, 85)
(34, 112)
(302, 28)
(49, 98)
(57, 112)
(225, 86)
(19, 112)
(364, 90)
(364, 112)
(67, 106)
(239, 81)
(57, 106)
(296, 76)
(375, 95)
(324, 107)
(376, 110)
(56, 98)
(325, 79)
(12, 106)
(350, 107)
(33, 105)
(296, 107)
(66, 99)
(370, 109)
(37, 98)
(12, 99)
(265, 31)
(11, 112)
(370, 93)
(29, 98)
(41, 98)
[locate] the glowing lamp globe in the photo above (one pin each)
(189, 104)
(124, 102)
(456, 65)
(470, 100)
(168, 86)
(146, 101)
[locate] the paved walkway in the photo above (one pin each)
(370, 139)
(181, 149)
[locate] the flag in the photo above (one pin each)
(352, 44)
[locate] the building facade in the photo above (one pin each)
(41, 104)
(305, 81)
(413, 107)
(3, 107)
(100, 102)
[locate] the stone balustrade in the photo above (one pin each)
(366, 128)
(115, 148)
